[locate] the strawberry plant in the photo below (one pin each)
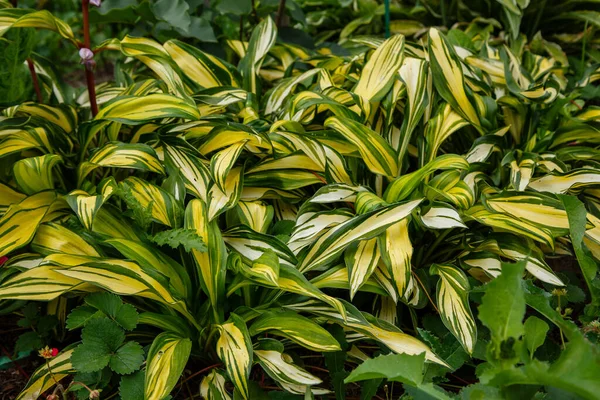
(394, 218)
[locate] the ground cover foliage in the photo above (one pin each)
(410, 217)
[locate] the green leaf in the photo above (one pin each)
(27, 342)
(174, 12)
(188, 238)
(132, 386)
(127, 358)
(576, 371)
(577, 213)
(15, 47)
(427, 391)
(112, 305)
(236, 7)
(535, 333)
(393, 367)
(503, 306)
(90, 357)
(101, 337)
(79, 316)
(480, 391)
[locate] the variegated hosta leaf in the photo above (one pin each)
(282, 90)
(377, 154)
(122, 155)
(292, 280)
(448, 76)
(23, 18)
(19, 224)
(234, 348)
(43, 283)
(440, 127)
(336, 192)
(262, 39)
(562, 183)
(251, 245)
(86, 206)
(337, 278)
(109, 224)
(375, 329)
(396, 252)
(403, 186)
(204, 69)
(414, 75)
(361, 227)
(48, 375)
(508, 223)
(482, 265)
(453, 301)
(152, 258)
(264, 270)
(163, 206)
(166, 360)
(222, 162)
(442, 216)
(281, 368)
(533, 208)
(119, 276)
(19, 140)
(54, 238)
(484, 146)
(211, 264)
(34, 174)
(522, 167)
(523, 250)
(63, 116)
(221, 201)
(361, 259)
(212, 387)
(156, 58)
(194, 173)
(297, 328)
(310, 226)
(255, 214)
(379, 72)
(134, 110)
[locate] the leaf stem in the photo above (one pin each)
(203, 370)
(89, 73)
(34, 78)
(426, 292)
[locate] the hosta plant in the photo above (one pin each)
(405, 209)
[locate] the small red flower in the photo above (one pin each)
(3, 259)
(54, 352)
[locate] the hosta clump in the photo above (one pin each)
(396, 206)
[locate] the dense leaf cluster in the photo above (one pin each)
(313, 221)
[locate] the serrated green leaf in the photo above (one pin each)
(80, 315)
(127, 358)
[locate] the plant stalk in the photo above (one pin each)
(280, 13)
(36, 83)
(89, 74)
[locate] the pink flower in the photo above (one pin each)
(87, 58)
(95, 2)
(3, 259)
(85, 54)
